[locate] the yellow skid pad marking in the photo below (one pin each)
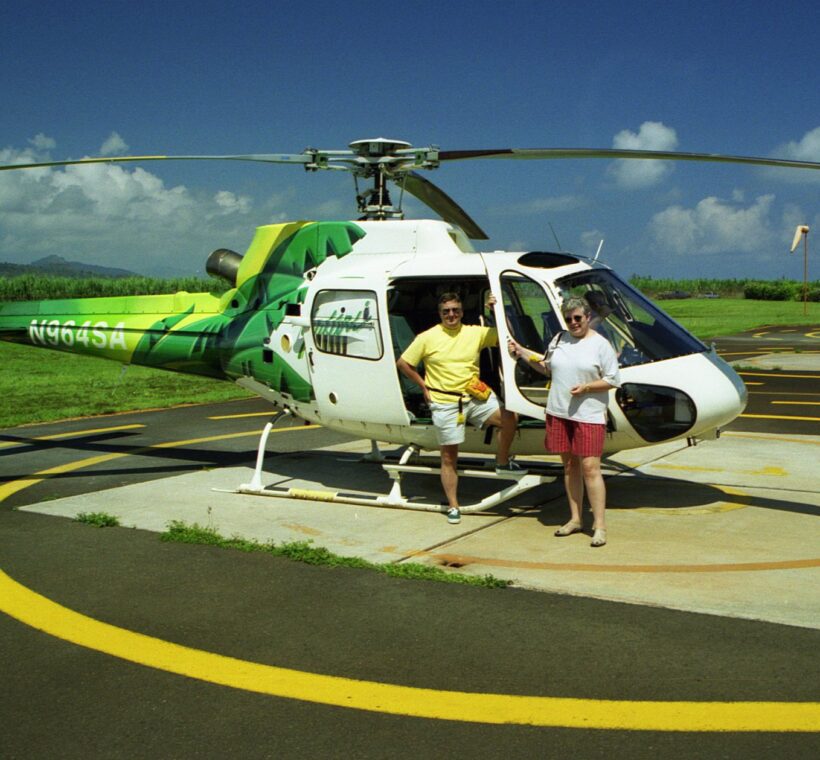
(760, 471)
(45, 615)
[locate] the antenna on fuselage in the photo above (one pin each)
(557, 241)
(600, 245)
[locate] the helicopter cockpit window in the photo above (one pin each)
(346, 322)
(532, 322)
(638, 331)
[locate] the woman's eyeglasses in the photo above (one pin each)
(577, 318)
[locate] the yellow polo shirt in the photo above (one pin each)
(450, 356)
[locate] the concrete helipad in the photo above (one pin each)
(728, 527)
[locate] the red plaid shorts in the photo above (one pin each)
(583, 439)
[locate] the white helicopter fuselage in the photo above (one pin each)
(361, 310)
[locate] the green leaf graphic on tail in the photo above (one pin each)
(231, 342)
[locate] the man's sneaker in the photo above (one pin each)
(453, 516)
(510, 467)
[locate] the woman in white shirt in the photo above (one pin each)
(583, 367)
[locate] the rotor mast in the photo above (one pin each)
(382, 159)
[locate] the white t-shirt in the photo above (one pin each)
(577, 361)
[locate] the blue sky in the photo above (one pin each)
(86, 78)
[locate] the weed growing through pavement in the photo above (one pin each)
(99, 519)
(305, 551)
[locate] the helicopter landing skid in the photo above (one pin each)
(523, 482)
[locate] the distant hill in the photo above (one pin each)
(60, 267)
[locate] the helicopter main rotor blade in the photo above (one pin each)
(615, 153)
(266, 158)
(436, 199)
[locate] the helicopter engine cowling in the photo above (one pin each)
(224, 263)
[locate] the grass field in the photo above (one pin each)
(710, 318)
(38, 385)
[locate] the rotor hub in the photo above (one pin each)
(378, 147)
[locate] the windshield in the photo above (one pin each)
(638, 331)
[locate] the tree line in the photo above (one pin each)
(37, 287)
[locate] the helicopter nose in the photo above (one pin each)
(723, 397)
(689, 396)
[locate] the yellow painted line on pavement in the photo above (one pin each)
(242, 416)
(798, 403)
(45, 615)
(776, 374)
(13, 486)
(73, 434)
(780, 393)
(779, 417)
(223, 436)
(770, 437)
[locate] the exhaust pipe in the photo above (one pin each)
(224, 263)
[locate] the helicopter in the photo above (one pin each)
(318, 312)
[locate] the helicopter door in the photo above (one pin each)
(351, 359)
(523, 311)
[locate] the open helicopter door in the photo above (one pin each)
(525, 311)
(350, 353)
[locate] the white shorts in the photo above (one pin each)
(445, 418)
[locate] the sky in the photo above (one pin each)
(176, 77)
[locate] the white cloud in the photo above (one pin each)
(635, 174)
(807, 148)
(113, 214)
(231, 203)
(715, 226)
(590, 240)
(42, 142)
(113, 146)
(553, 204)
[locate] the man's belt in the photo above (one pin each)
(460, 394)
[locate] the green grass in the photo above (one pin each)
(305, 551)
(710, 318)
(99, 519)
(39, 385)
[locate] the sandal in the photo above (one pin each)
(598, 537)
(568, 529)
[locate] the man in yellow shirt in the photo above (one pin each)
(450, 352)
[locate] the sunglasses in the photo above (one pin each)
(456, 310)
(576, 318)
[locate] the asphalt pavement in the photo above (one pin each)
(741, 500)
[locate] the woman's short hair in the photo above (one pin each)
(575, 302)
